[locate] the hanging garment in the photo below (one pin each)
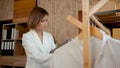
(104, 53)
(67, 55)
(109, 56)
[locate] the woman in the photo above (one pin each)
(38, 43)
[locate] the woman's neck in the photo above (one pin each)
(40, 34)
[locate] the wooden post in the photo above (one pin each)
(86, 33)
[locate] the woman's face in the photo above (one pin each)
(42, 24)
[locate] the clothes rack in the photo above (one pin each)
(85, 26)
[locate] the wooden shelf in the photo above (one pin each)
(20, 20)
(110, 19)
(6, 60)
(19, 61)
(13, 60)
(11, 50)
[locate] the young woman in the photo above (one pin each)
(36, 42)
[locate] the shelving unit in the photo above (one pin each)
(12, 54)
(110, 19)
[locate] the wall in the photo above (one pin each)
(116, 33)
(6, 9)
(118, 4)
(111, 5)
(22, 10)
(58, 10)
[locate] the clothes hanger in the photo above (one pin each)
(101, 26)
(94, 31)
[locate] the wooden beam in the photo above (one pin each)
(86, 33)
(100, 25)
(97, 7)
(75, 22)
(93, 30)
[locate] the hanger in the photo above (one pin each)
(94, 31)
(101, 26)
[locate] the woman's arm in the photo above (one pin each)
(33, 52)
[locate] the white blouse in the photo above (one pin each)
(38, 53)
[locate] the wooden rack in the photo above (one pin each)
(86, 15)
(86, 31)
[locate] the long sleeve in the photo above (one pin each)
(33, 52)
(52, 43)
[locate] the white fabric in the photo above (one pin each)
(37, 52)
(104, 53)
(109, 56)
(67, 55)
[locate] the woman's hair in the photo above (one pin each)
(36, 15)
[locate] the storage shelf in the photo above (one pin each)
(6, 60)
(12, 54)
(13, 60)
(110, 19)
